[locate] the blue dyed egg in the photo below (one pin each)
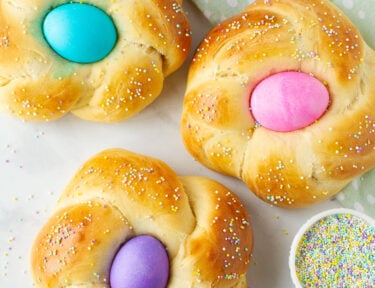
(142, 262)
(80, 33)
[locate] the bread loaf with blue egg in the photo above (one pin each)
(103, 61)
(127, 220)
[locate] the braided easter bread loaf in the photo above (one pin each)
(117, 196)
(102, 60)
(282, 96)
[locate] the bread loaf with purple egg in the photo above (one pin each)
(127, 220)
(282, 97)
(103, 61)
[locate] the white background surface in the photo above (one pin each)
(38, 159)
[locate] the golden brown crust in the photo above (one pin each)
(118, 194)
(287, 169)
(35, 84)
(69, 248)
(221, 249)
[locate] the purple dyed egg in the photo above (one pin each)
(142, 262)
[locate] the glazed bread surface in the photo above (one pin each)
(36, 84)
(289, 169)
(117, 195)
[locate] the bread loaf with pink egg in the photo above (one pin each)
(128, 221)
(282, 97)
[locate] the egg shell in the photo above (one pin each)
(142, 262)
(288, 101)
(79, 32)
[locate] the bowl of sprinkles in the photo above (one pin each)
(335, 248)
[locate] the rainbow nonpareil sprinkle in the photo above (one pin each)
(337, 251)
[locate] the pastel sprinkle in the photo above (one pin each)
(337, 251)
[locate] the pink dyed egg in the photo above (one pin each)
(288, 101)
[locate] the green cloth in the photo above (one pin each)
(360, 193)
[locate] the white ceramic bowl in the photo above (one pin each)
(305, 228)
